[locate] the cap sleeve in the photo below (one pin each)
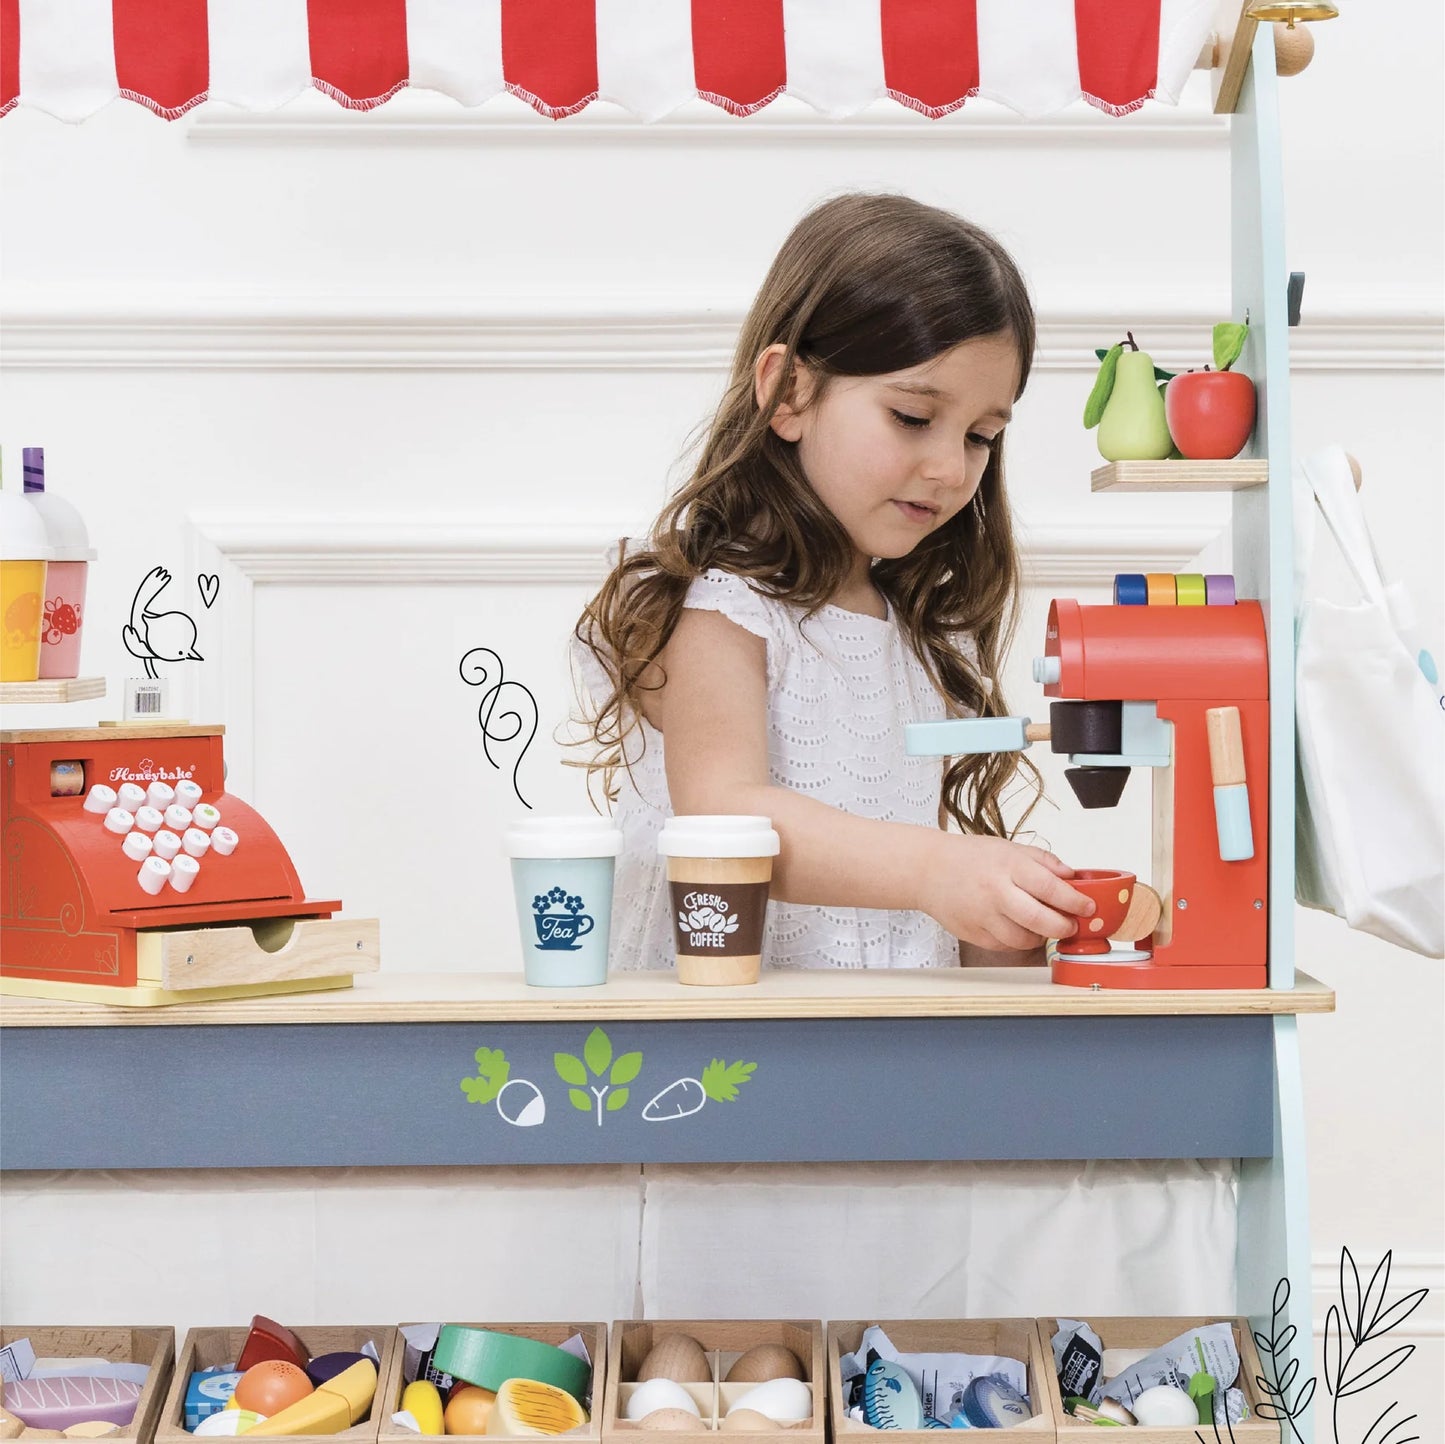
(719, 591)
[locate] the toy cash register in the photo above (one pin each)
(128, 874)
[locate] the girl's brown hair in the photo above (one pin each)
(864, 285)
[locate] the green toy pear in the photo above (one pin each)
(1128, 408)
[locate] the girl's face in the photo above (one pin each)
(895, 457)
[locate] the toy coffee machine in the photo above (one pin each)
(1174, 677)
(130, 875)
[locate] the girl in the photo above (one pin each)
(840, 563)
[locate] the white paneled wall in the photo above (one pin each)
(397, 378)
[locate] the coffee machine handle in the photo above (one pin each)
(960, 736)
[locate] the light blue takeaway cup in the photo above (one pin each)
(562, 871)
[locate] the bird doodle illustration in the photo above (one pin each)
(158, 636)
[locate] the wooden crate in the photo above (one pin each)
(723, 1340)
(207, 1348)
(594, 1335)
(1010, 1338)
(1150, 1333)
(122, 1344)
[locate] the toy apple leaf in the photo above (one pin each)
(1229, 339)
(1160, 374)
(1103, 386)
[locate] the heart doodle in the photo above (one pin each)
(210, 585)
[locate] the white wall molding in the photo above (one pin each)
(253, 549)
(186, 328)
(1408, 1272)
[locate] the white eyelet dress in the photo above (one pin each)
(841, 686)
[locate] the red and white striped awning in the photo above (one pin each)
(71, 57)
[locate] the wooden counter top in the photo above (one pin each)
(503, 997)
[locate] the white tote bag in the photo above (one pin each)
(1370, 825)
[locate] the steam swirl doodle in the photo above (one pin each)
(475, 672)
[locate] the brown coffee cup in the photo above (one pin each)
(719, 870)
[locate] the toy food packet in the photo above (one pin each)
(942, 1379)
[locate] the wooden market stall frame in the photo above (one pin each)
(881, 1066)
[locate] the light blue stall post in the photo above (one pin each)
(1273, 1192)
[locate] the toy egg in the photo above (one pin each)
(678, 1357)
(742, 1421)
(271, 1386)
(468, 1410)
(1164, 1406)
(672, 1420)
(789, 1401)
(654, 1394)
(763, 1362)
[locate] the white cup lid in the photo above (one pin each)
(23, 537)
(718, 836)
(583, 836)
(63, 526)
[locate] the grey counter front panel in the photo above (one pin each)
(402, 1094)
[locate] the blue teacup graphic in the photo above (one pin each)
(559, 931)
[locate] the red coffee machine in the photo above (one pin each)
(1184, 691)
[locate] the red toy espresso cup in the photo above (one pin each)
(1111, 892)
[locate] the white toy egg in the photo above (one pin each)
(1164, 1407)
(659, 1394)
(789, 1401)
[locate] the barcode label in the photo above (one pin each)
(144, 698)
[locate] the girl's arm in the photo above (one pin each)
(713, 712)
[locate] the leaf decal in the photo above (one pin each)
(1397, 1313)
(579, 1100)
(492, 1071)
(1332, 1348)
(1349, 1296)
(1103, 386)
(597, 1051)
(721, 1081)
(570, 1069)
(625, 1068)
(617, 1099)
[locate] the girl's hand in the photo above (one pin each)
(1001, 895)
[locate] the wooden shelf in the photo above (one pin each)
(657, 996)
(1179, 476)
(59, 689)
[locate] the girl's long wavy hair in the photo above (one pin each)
(864, 285)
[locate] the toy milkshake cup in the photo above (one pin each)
(63, 603)
(24, 555)
(562, 871)
(719, 870)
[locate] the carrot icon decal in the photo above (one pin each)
(720, 1081)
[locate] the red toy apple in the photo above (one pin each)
(1211, 413)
